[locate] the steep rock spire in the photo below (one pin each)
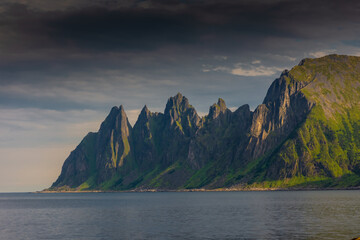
(217, 108)
(144, 115)
(113, 142)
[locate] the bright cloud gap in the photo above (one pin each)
(246, 71)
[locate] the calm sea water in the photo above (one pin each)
(187, 215)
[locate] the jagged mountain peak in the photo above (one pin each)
(178, 102)
(145, 111)
(114, 110)
(110, 120)
(117, 119)
(217, 108)
(243, 108)
(178, 96)
(145, 108)
(117, 110)
(122, 111)
(177, 105)
(221, 103)
(144, 116)
(179, 114)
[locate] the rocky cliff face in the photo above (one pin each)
(113, 144)
(79, 165)
(306, 132)
(284, 107)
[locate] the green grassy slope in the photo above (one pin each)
(324, 151)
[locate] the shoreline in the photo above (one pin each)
(199, 190)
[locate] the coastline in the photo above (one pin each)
(199, 190)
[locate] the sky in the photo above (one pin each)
(64, 64)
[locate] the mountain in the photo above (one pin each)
(306, 133)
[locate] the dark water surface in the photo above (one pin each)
(181, 215)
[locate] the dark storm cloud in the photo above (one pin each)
(148, 25)
(95, 28)
(36, 32)
(51, 46)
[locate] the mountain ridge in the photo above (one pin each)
(305, 134)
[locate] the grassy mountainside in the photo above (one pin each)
(305, 134)
(324, 150)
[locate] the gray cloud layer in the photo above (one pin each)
(54, 49)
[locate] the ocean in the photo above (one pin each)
(181, 215)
